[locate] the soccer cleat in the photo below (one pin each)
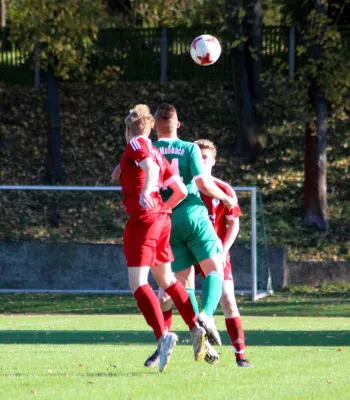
(199, 342)
(166, 345)
(212, 356)
(208, 324)
(153, 360)
(243, 363)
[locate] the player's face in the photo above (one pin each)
(208, 160)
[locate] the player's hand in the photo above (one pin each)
(229, 202)
(116, 174)
(146, 200)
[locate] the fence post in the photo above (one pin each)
(36, 65)
(164, 55)
(291, 51)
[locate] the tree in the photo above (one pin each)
(321, 84)
(244, 31)
(328, 84)
(64, 32)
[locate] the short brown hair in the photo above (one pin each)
(165, 111)
(205, 144)
(140, 119)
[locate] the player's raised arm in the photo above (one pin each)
(204, 182)
(115, 177)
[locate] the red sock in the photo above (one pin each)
(149, 305)
(182, 302)
(168, 318)
(235, 330)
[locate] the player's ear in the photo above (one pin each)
(178, 124)
(213, 162)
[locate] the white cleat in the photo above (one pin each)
(166, 345)
(199, 342)
(208, 324)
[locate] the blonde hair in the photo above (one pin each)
(140, 120)
(205, 144)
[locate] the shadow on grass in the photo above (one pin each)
(127, 338)
(292, 307)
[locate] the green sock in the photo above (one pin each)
(211, 292)
(193, 299)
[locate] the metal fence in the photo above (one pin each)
(156, 54)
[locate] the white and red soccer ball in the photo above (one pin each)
(205, 50)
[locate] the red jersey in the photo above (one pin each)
(218, 212)
(133, 177)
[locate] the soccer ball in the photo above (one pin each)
(205, 50)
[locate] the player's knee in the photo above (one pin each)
(165, 303)
(229, 305)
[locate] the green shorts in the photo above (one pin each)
(193, 241)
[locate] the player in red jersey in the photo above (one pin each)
(143, 171)
(226, 225)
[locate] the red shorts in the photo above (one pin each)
(146, 240)
(227, 269)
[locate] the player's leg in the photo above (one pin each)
(166, 305)
(146, 299)
(232, 317)
(187, 278)
(140, 239)
(139, 253)
(180, 298)
(207, 249)
(167, 281)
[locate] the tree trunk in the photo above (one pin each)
(245, 124)
(315, 186)
(252, 30)
(54, 160)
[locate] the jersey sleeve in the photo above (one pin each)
(234, 212)
(138, 150)
(169, 174)
(195, 161)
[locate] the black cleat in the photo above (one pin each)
(243, 363)
(153, 360)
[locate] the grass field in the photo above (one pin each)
(93, 347)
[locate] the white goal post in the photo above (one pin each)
(255, 292)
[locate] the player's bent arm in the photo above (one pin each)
(151, 182)
(179, 192)
(115, 177)
(231, 233)
(206, 185)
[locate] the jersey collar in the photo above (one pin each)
(143, 137)
(167, 139)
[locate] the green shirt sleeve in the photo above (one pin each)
(195, 161)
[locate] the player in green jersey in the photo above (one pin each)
(193, 238)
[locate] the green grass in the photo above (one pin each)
(95, 346)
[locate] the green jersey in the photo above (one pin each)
(193, 237)
(186, 160)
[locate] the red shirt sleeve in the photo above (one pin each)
(138, 149)
(168, 171)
